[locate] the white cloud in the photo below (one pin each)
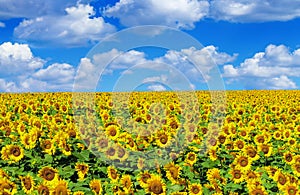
(21, 71)
(178, 13)
(17, 59)
(77, 27)
(254, 10)
(56, 73)
(156, 88)
(269, 69)
(282, 82)
(2, 25)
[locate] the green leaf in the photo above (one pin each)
(48, 158)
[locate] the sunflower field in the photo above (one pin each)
(150, 143)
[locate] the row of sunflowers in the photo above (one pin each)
(203, 142)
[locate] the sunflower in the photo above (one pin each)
(291, 189)
(212, 154)
(195, 189)
(172, 172)
(122, 154)
(242, 162)
(191, 158)
(280, 178)
(7, 187)
(239, 144)
(163, 139)
(112, 174)
(258, 190)
(48, 146)
(266, 149)
(112, 131)
(251, 152)
(143, 178)
(49, 175)
(96, 186)
(236, 175)
(126, 183)
(82, 169)
(296, 169)
(277, 135)
(111, 152)
(61, 188)
(102, 143)
(13, 153)
(155, 185)
(43, 189)
(214, 177)
(288, 158)
(27, 184)
(27, 141)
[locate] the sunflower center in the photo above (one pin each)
(243, 162)
(96, 188)
(27, 183)
(195, 190)
(163, 139)
(237, 175)
(111, 151)
(49, 174)
(192, 157)
(145, 177)
(156, 187)
(113, 174)
(113, 132)
(282, 180)
(61, 190)
(289, 158)
(47, 144)
(174, 172)
(16, 151)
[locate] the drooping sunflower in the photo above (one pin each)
(82, 169)
(195, 189)
(61, 188)
(173, 172)
(49, 175)
(96, 186)
(126, 183)
(112, 174)
(156, 185)
(27, 184)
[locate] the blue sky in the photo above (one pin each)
(56, 45)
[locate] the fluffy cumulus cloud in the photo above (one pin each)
(22, 71)
(254, 10)
(269, 69)
(179, 13)
(2, 25)
(77, 27)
